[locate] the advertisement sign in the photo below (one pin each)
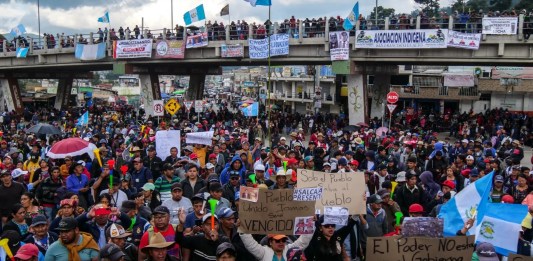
(279, 45)
(464, 40)
(458, 80)
(127, 49)
(499, 25)
(232, 50)
(339, 46)
(402, 39)
(169, 49)
(198, 40)
(499, 72)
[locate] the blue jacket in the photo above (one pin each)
(87, 225)
(224, 176)
(74, 184)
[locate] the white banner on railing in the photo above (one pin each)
(458, 80)
(124, 49)
(401, 39)
(463, 40)
(499, 25)
(279, 45)
(204, 138)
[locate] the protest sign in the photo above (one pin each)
(274, 212)
(463, 40)
(204, 138)
(231, 50)
(339, 46)
(515, 257)
(170, 49)
(307, 194)
(402, 39)
(249, 194)
(304, 226)
(279, 45)
(336, 215)
(197, 40)
(499, 25)
(124, 49)
(340, 189)
(165, 140)
(419, 248)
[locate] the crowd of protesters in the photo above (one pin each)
(139, 206)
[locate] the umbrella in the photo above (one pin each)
(350, 128)
(381, 131)
(43, 128)
(362, 124)
(71, 147)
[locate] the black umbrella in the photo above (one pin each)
(351, 128)
(43, 128)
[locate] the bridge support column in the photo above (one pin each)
(64, 88)
(10, 99)
(357, 110)
(196, 87)
(379, 95)
(150, 91)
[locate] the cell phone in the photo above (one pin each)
(198, 222)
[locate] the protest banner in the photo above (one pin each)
(231, 50)
(336, 215)
(420, 248)
(459, 80)
(279, 45)
(170, 49)
(249, 194)
(339, 46)
(126, 49)
(515, 257)
(340, 189)
(499, 25)
(304, 226)
(307, 194)
(402, 39)
(197, 40)
(204, 138)
(274, 212)
(502, 72)
(165, 140)
(464, 40)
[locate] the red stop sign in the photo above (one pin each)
(392, 97)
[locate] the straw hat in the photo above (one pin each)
(157, 241)
(280, 172)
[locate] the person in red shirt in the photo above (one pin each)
(161, 216)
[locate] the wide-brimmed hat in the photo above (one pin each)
(280, 172)
(157, 241)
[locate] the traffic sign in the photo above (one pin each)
(199, 105)
(188, 104)
(392, 97)
(391, 107)
(172, 106)
(159, 108)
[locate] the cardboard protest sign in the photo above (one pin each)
(204, 138)
(515, 257)
(420, 248)
(307, 194)
(340, 189)
(274, 212)
(165, 140)
(249, 194)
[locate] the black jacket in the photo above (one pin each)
(405, 198)
(89, 226)
(154, 165)
(188, 190)
(52, 237)
(321, 248)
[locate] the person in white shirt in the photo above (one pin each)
(117, 196)
(176, 202)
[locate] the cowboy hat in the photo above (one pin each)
(280, 172)
(157, 241)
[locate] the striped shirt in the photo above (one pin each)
(162, 185)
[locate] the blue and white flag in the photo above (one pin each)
(18, 31)
(194, 15)
(466, 205)
(259, 2)
(22, 52)
(251, 110)
(104, 18)
(350, 21)
(501, 226)
(90, 52)
(83, 120)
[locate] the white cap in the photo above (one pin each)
(209, 166)
(469, 157)
(260, 167)
(282, 138)
(18, 172)
(465, 141)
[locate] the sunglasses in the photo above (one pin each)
(234, 178)
(329, 226)
(283, 240)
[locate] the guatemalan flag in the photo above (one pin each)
(22, 52)
(465, 205)
(251, 110)
(18, 30)
(90, 52)
(84, 119)
(350, 21)
(259, 2)
(104, 18)
(194, 15)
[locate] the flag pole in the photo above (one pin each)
(269, 105)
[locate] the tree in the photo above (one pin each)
(96, 79)
(430, 7)
(500, 5)
(525, 4)
(477, 5)
(382, 12)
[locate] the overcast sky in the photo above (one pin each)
(80, 16)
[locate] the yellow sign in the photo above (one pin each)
(172, 106)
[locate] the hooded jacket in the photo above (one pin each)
(224, 176)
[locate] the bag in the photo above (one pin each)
(422, 227)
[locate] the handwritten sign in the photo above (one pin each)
(274, 212)
(420, 248)
(279, 45)
(204, 138)
(307, 194)
(165, 140)
(515, 257)
(340, 189)
(232, 50)
(249, 194)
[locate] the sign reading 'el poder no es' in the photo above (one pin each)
(340, 189)
(273, 213)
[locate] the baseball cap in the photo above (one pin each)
(67, 224)
(151, 148)
(486, 252)
(474, 173)
(176, 186)
(225, 212)
(27, 251)
(208, 216)
(215, 186)
(209, 166)
(343, 162)
(383, 193)
(259, 167)
(449, 183)
(276, 237)
(148, 186)
(469, 157)
(225, 247)
(374, 199)
(18, 172)
(508, 199)
(400, 177)
(416, 208)
(161, 210)
(117, 231)
(498, 178)
(189, 148)
(39, 220)
(167, 166)
(127, 206)
(111, 252)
